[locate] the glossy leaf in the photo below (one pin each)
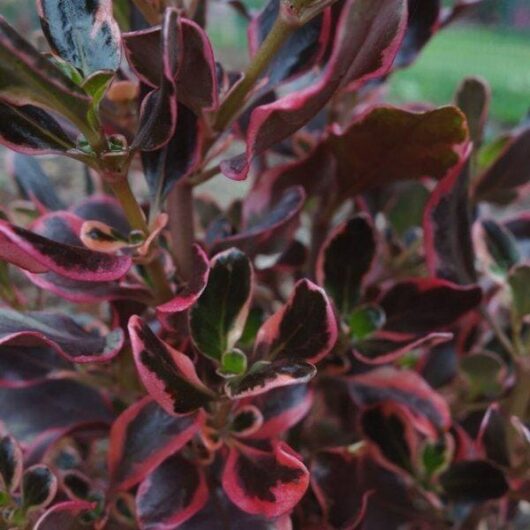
(11, 464)
(218, 318)
(82, 33)
(366, 41)
(168, 375)
(171, 494)
(268, 483)
(304, 329)
(39, 486)
(345, 259)
(142, 437)
(60, 332)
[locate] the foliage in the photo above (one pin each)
(344, 347)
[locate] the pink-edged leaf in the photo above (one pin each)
(405, 388)
(38, 254)
(371, 152)
(173, 493)
(11, 464)
(196, 80)
(103, 208)
(492, 436)
(168, 375)
(354, 491)
(386, 347)
(84, 34)
(366, 41)
(423, 304)
(65, 516)
(27, 77)
(500, 182)
(447, 227)
(271, 230)
(281, 409)
(30, 130)
(345, 259)
(33, 182)
(177, 159)
(268, 483)
(188, 294)
(60, 332)
(219, 511)
(247, 419)
(158, 113)
(39, 486)
(28, 365)
(27, 412)
(142, 437)
(265, 376)
(302, 50)
(304, 329)
(218, 318)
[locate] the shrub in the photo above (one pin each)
(343, 347)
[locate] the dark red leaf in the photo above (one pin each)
(173, 493)
(344, 260)
(304, 329)
(83, 33)
(168, 375)
(447, 227)
(39, 486)
(59, 332)
(11, 464)
(492, 437)
(142, 437)
(263, 482)
(366, 41)
(64, 516)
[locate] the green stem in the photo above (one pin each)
(136, 219)
(232, 105)
(181, 226)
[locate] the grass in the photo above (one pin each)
(499, 56)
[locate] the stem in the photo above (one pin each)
(136, 219)
(150, 14)
(280, 32)
(181, 226)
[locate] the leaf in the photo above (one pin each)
(38, 254)
(59, 332)
(302, 50)
(39, 486)
(28, 77)
(265, 376)
(366, 41)
(473, 481)
(492, 437)
(371, 151)
(30, 130)
(447, 224)
(25, 420)
(168, 375)
(484, 374)
(271, 230)
(304, 329)
(82, 33)
(268, 483)
(142, 437)
(64, 516)
(511, 170)
(519, 282)
(218, 318)
(11, 464)
(473, 98)
(174, 492)
(426, 304)
(344, 260)
(34, 183)
(190, 292)
(500, 250)
(246, 421)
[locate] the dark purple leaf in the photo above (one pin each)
(473, 98)
(498, 247)
(173, 493)
(268, 483)
(39, 487)
(168, 375)
(64, 516)
(11, 464)
(142, 437)
(82, 33)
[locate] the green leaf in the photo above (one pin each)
(365, 321)
(234, 362)
(218, 318)
(519, 281)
